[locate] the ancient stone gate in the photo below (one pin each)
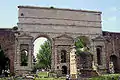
(61, 27)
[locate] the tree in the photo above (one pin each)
(82, 51)
(44, 56)
(81, 44)
(2, 60)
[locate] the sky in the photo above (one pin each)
(37, 44)
(110, 11)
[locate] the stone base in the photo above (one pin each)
(22, 72)
(102, 71)
(89, 73)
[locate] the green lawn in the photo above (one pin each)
(41, 76)
(106, 77)
(49, 79)
(45, 76)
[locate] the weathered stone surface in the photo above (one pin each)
(112, 48)
(60, 26)
(7, 42)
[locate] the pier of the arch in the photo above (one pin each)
(62, 46)
(24, 48)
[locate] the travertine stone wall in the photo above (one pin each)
(59, 20)
(23, 40)
(54, 22)
(112, 48)
(100, 41)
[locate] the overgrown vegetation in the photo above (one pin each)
(81, 44)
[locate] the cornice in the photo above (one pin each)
(60, 19)
(59, 25)
(62, 9)
(60, 33)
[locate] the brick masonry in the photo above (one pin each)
(7, 42)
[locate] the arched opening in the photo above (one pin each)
(63, 56)
(7, 63)
(99, 50)
(24, 52)
(82, 44)
(64, 69)
(24, 57)
(113, 58)
(4, 62)
(7, 66)
(84, 56)
(42, 53)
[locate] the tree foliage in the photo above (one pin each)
(81, 44)
(44, 56)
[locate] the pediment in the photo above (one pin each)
(64, 36)
(99, 38)
(24, 35)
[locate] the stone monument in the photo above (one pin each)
(73, 67)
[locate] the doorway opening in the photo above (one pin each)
(113, 58)
(64, 70)
(4, 62)
(63, 56)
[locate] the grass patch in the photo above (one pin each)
(46, 76)
(43, 74)
(106, 77)
(49, 79)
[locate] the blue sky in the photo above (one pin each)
(110, 10)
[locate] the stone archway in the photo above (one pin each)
(61, 29)
(113, 58)
(42, 46)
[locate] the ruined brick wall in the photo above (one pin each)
(7, 42)
(112, 47)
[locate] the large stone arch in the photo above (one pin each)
(42, 35)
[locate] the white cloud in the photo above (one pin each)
(113, 9)
(111, 19)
